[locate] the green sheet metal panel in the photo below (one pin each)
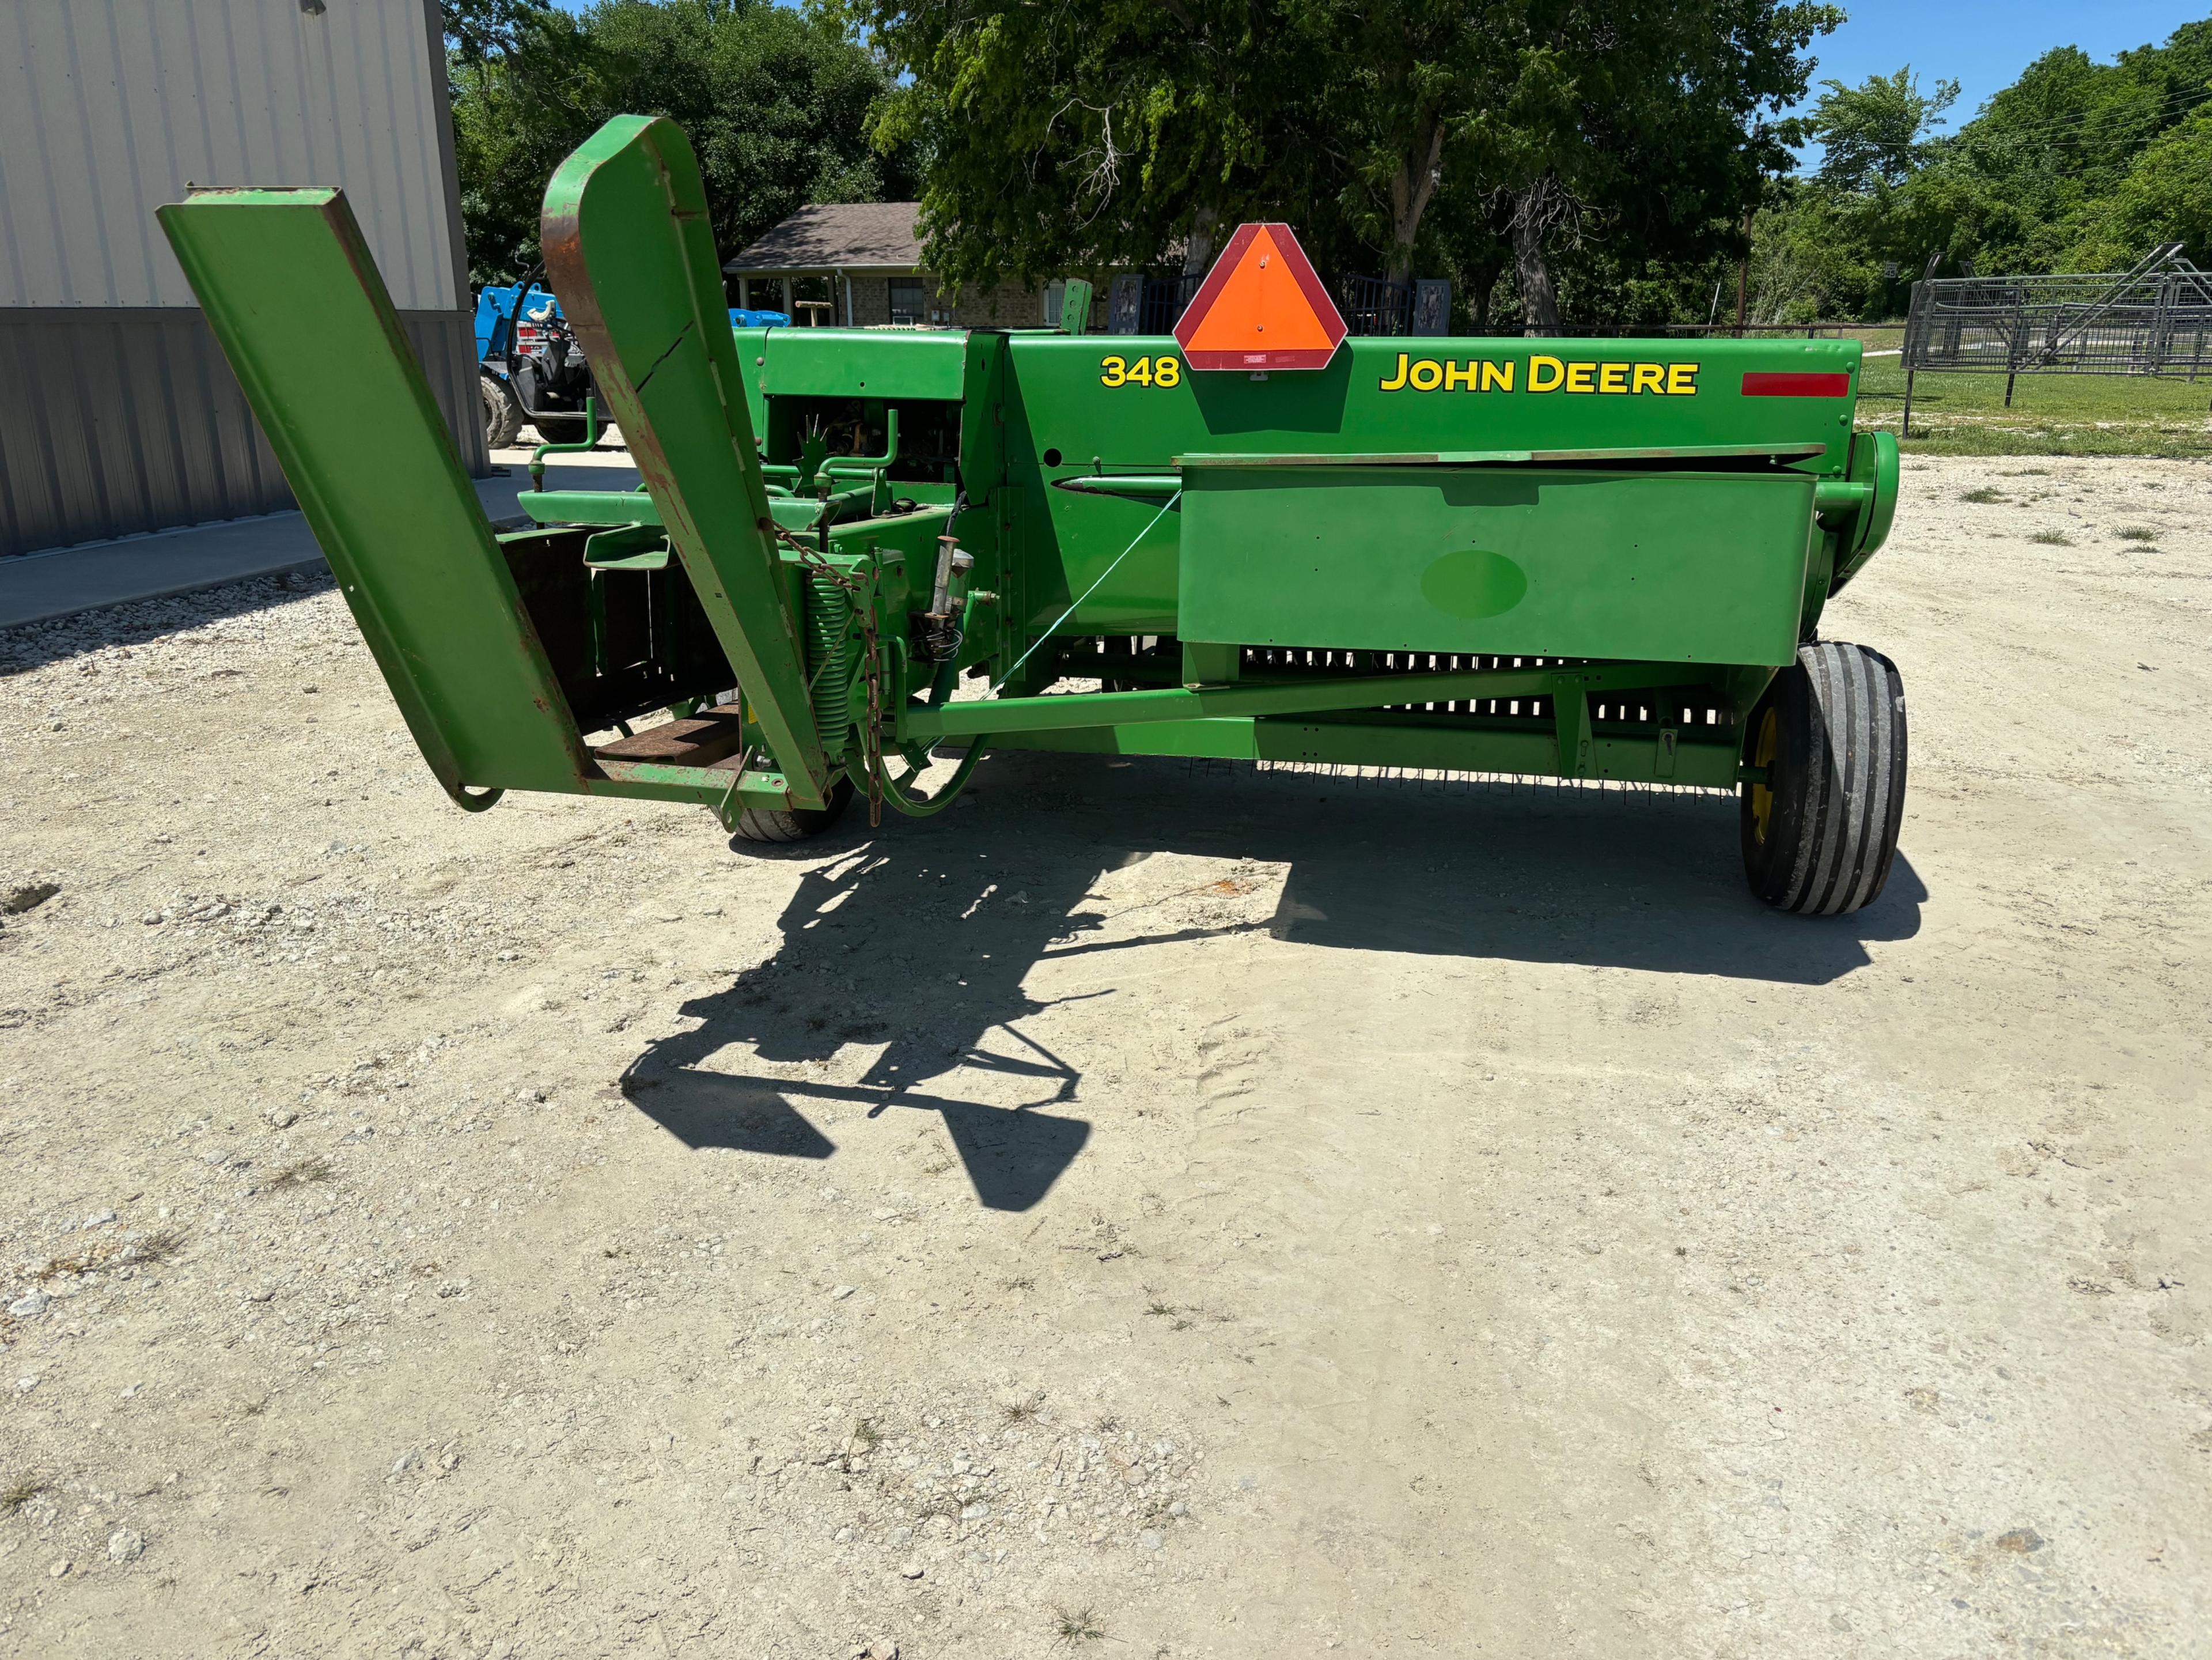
(1679, 566)
(863, 364)
(289, 290)
(1074, 409)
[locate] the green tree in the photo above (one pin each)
(778, 105)
(1061, 140)
(2166, 197)
(2076, 166)
(478, 29)
(1876, 134)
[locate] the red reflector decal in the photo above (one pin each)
(1796, 385)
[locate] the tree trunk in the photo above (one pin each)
(1539, 302)
(1482, 292)
(1198, 247)
(1412, 188)
(1743, 274)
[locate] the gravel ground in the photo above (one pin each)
(1171, 1209)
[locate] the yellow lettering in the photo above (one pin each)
(1497, 376)
(1426, 375)
(1456, 378)
(1579, 377)
(1397, 383)
(1113, 371)
(1537, 367)
(1650, 377)
(1613, 377)
(1140, 372)
(1681, 380)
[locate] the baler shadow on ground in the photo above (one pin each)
(921, 939)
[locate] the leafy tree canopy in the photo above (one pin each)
(1116, 134)
(1876, 133)
(779, 106)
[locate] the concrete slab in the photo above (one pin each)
(36, 586)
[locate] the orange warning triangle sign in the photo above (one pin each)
(1261, 307)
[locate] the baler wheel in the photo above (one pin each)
(796, 823)
(1820, 832)
(502, 420)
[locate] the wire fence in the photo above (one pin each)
(2156, 319)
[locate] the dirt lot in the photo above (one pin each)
(1158, 1210)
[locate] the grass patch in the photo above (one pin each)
(2052, 538)
(1021, 1411)
(1073, 1625)
(866, 1437)
(2136, 533)
(2050, 415)
(20, 1492)
(156, 1247)
(1157, 1307)
(298, 1175)
(1983, 496)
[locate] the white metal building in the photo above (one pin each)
(118, 413)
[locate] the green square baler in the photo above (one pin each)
(1579, 559)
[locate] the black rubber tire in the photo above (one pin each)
(502, 421)
(1819, 837)
(798, 824)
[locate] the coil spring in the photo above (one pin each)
(830, 661)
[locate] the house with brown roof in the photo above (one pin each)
(858, 265)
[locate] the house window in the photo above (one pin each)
(909, 300)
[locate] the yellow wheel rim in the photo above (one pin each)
(1762, 795)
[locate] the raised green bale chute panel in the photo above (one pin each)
(289, 289)
(631, 253)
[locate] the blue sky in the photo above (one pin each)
(1982, 44)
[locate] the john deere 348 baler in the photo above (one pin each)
(1581, 559)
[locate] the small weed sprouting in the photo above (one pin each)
(1073, 1625)
(1107, 1424)
(1160, 1308)
(59, 1267)
(1984, 497)
(1021, 1282)
(157, 1246)
(20, 1492)
(2052, 538)
(298, 1175)
(1021, 1411)
(866, 1437)
(2136, 533)
(254, 1408)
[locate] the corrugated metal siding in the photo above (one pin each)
(117, 422)
(108, 108)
